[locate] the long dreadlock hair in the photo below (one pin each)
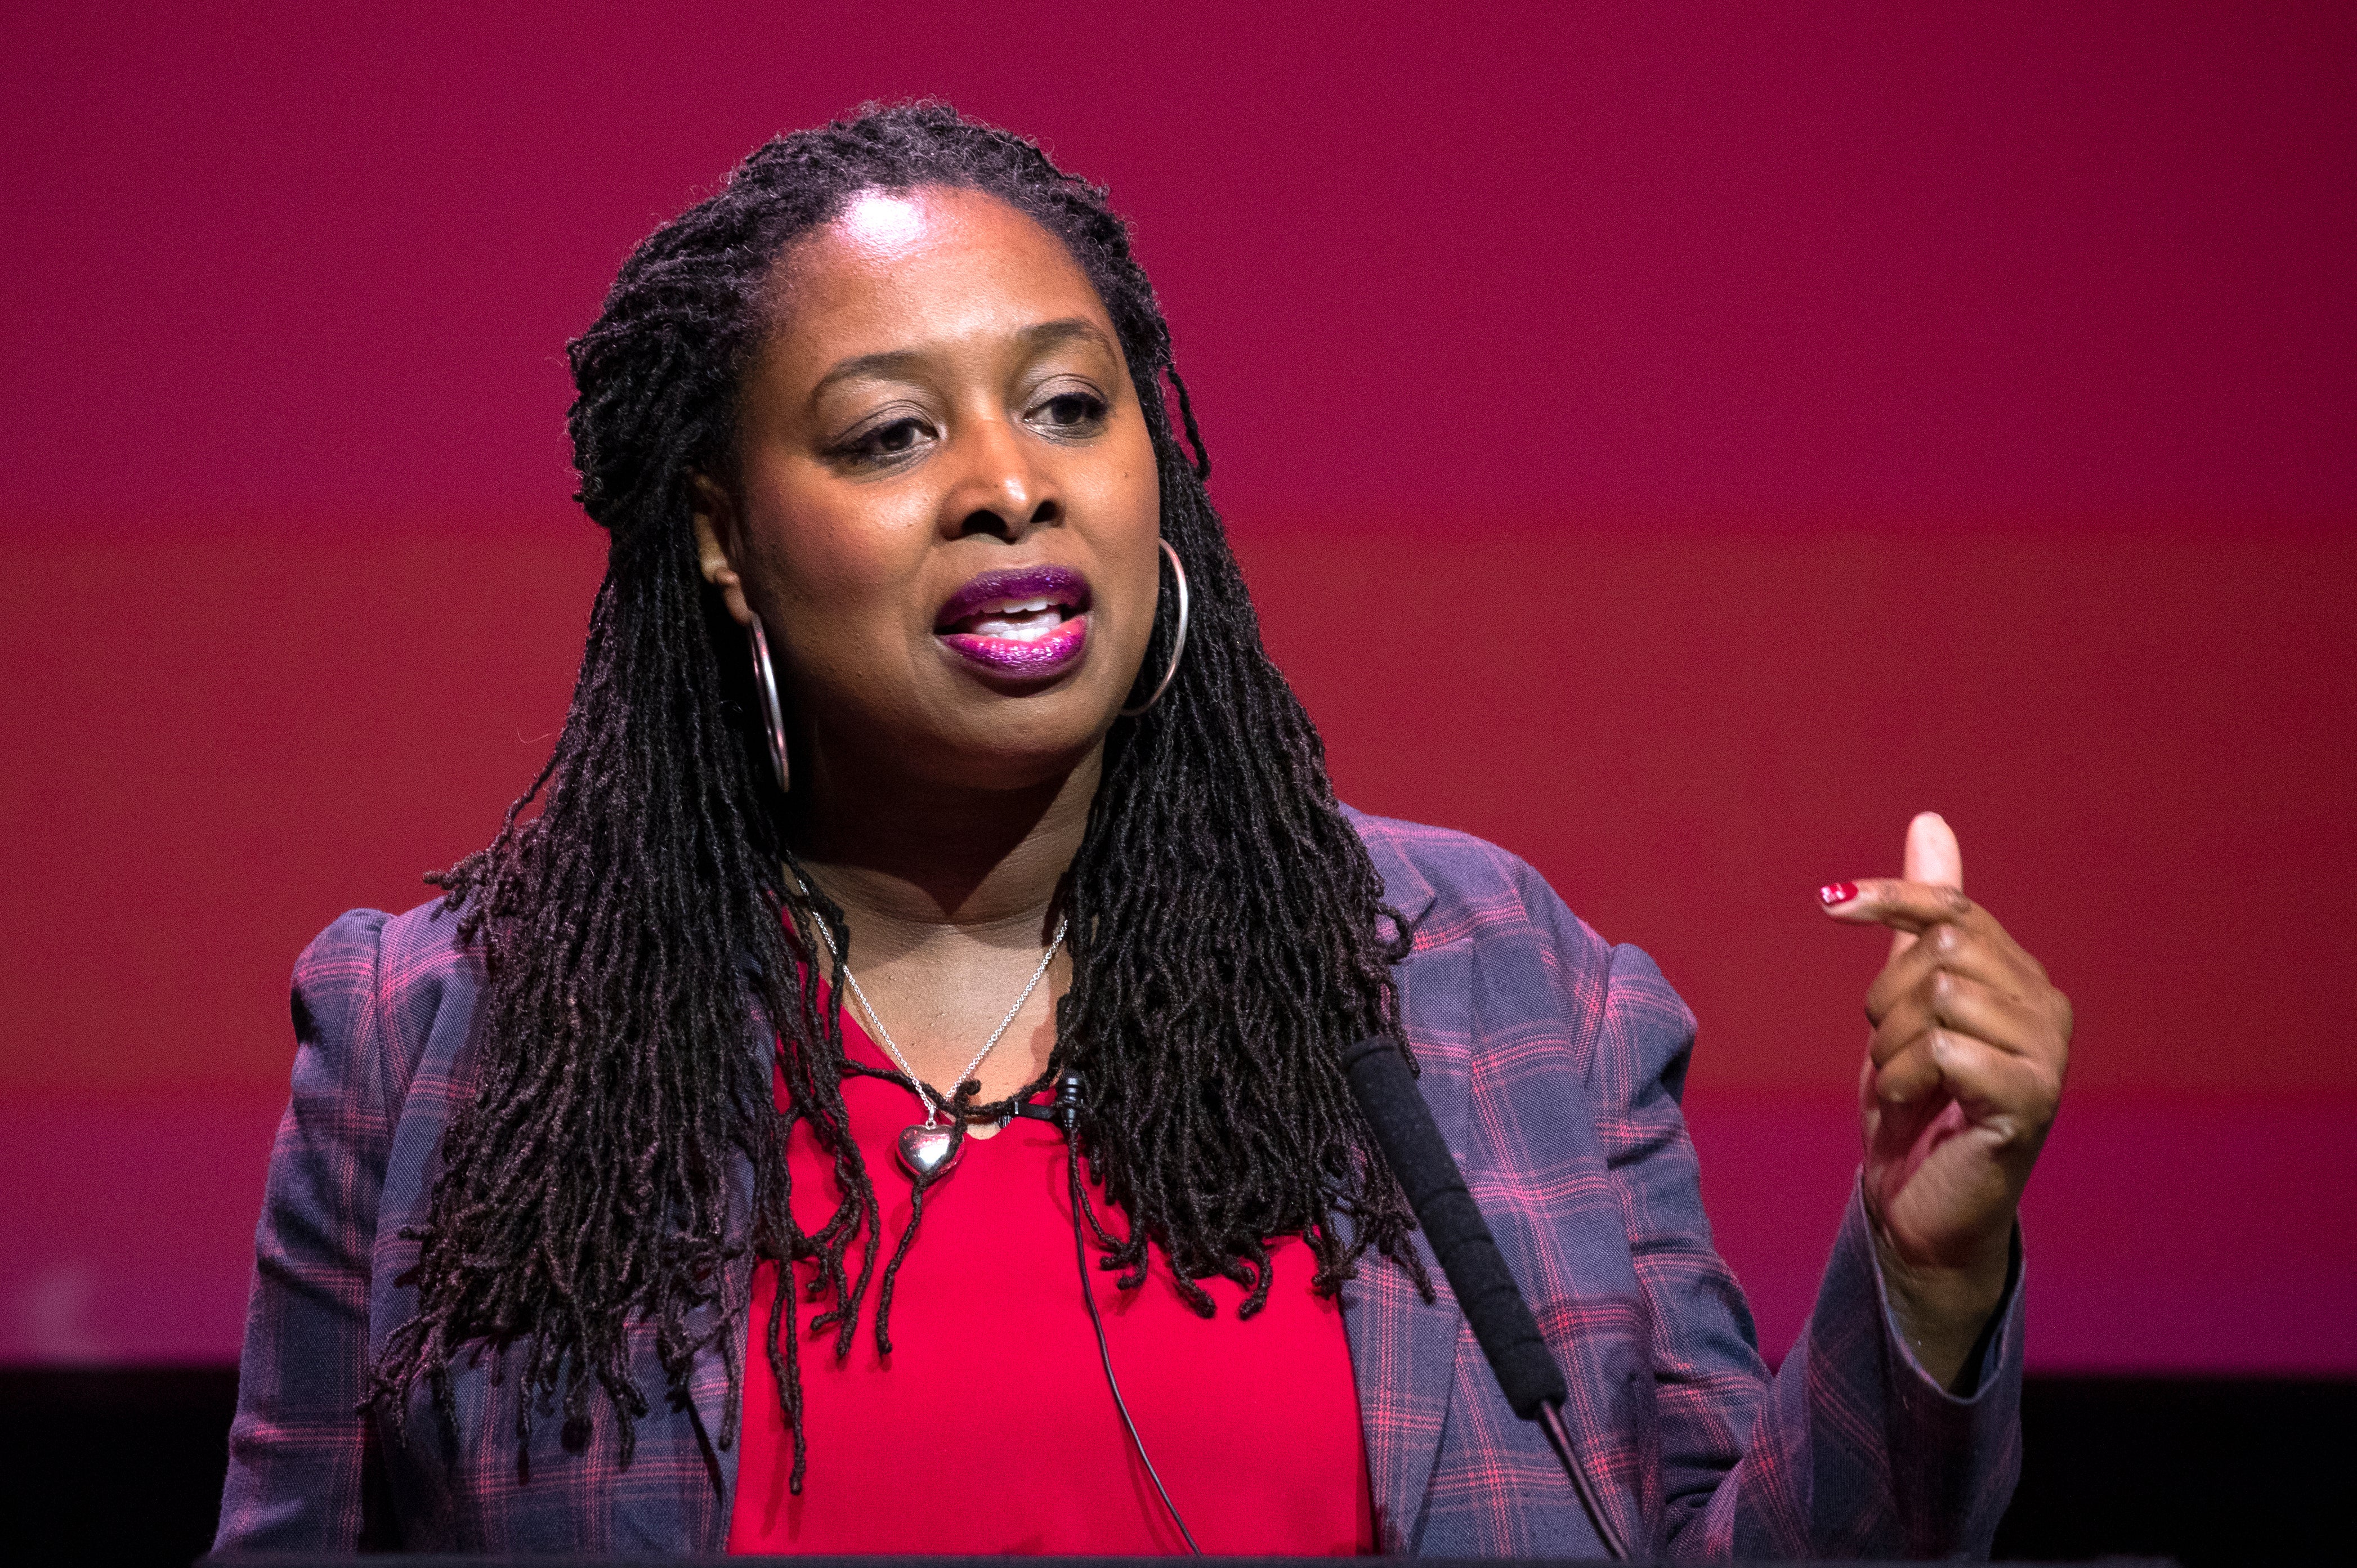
(637, 934)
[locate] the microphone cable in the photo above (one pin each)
(1065, 1113)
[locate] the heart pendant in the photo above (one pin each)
(927, 1151)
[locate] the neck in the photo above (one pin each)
(910, 860)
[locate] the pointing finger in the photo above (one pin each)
(1907, 907)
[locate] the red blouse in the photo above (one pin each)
(989, 1428)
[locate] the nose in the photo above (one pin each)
(1001, 487)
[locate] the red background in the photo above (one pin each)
(1676, 445)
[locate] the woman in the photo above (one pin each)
(924, 762)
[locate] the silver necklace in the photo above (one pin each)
(929, 1149)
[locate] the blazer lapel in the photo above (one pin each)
(1404, 1359)
(1404, 1348)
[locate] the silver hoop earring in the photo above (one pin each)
(1178, 644)
(765, 681)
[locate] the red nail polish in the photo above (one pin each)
(1835, 893)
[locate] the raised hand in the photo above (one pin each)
(1959, 1086)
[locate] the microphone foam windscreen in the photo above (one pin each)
(1418, 1156)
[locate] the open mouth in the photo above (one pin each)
(1027, 620)
(1018, 620)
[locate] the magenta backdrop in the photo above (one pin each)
(1676, 446)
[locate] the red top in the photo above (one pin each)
(989, 1429)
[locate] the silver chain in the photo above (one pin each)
(934, 1106)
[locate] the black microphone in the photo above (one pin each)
(1062, 1112)
(1493, 1305)
(1066, 1111)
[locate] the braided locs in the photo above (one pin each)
(1226, 932)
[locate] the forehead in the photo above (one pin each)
(930, 267)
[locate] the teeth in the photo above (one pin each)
(1016, 631)
(1023, 624)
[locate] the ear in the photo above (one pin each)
(716, 538)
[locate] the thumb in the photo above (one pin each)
(1933, 857)
(1932, 853)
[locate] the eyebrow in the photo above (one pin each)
(1034, 339)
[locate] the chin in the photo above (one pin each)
(1018, 743)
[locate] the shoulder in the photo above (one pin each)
(368, 955)
(1451, 886)
(373, 987)
(1453, 889)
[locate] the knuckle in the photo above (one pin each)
(1885, 1044)
(1901, 1080)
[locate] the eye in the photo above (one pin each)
(1071, 413)
(882, 443)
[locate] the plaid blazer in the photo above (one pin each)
(1554, 1064)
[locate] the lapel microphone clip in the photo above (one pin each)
(1064, 1113)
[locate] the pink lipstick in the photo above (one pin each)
(1023, 622)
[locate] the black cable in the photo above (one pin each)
(1067, 1110)
(1551, 1418)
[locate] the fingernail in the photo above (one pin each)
(1835, 893)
